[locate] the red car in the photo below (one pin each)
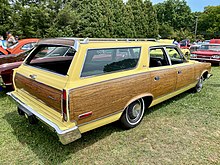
(21, 46)
(12, 61)
(7, 64)
(207, 53)
(185, 44)
(3, 51)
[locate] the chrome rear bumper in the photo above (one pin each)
(65, 136)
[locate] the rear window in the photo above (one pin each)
(102, 61)
(52, 58)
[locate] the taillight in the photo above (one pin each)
(64, 106)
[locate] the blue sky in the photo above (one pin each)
(196, 5)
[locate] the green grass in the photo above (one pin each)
(182, 130)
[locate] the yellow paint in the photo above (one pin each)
(43, 110)
(99, 123)
(73, 80)
(185, 51)
(166, 41)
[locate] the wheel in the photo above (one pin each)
(199, 85)
(32, 120)
(133, 114)
(20, 112)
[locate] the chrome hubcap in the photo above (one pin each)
(200, 84)
(135, 111)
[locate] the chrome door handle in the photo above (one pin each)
(156, 78)
(33, 76)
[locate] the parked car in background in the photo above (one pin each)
(214, 41)
(75, 86)
(207, 53)
(185, 44)
(3, 51)
(185, 51)
(195, 46)
(7, 64)
(21, 46)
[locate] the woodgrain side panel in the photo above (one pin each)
(105, 98)
(200, 67)
(166, 83)
(185, 76)
(50, 96)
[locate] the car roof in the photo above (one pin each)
(75, 42)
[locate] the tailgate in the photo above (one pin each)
(41, 89)
(37, 90)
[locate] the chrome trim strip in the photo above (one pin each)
(146, 71)
(53, 125)
(76, 45)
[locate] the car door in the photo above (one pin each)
(163, 75)
(184, 70)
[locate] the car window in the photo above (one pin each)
(54, 51)
(53, 58)
(158, 57)
(175, 56)
(100, 61)
(28, 46)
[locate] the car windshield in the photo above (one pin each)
(13, 46)
(210, 47)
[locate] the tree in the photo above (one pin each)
(208, 22)
(153, 28)
(175, 14)
(140, 18)
(65, 24)
(5, 16)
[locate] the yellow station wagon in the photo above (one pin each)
(76, 85)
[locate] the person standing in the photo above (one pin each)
(10, 39)
(175, 42)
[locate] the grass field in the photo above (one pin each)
(182, 130)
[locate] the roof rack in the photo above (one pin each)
(87, 40)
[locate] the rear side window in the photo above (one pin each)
(102, 61)
(52, 58)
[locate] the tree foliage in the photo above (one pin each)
(106, 18)
(209, 22)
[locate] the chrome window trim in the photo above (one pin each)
(167, 55)
(76, 45)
